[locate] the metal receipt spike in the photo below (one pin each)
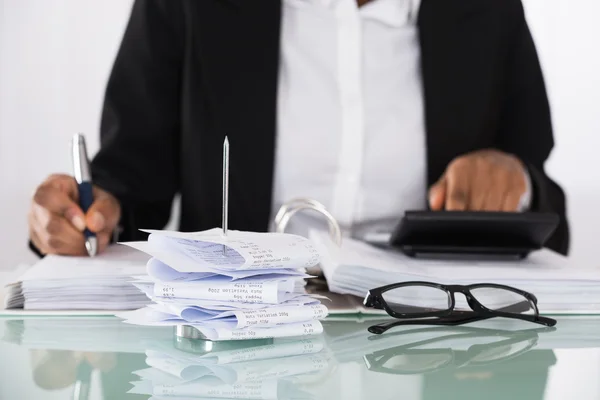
(187, 331)
(225, 189)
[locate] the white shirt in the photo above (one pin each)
(351, 129)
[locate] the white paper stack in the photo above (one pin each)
(80, 283)
(271, 371)
(243, 286)
(560, 286)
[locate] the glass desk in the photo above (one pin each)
(102, 358)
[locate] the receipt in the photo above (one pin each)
(269, 292)
(297, 329)
(237, 319)
(245, 250)
(159, 271)
(245, 285)
(215, 305)
(279, 315)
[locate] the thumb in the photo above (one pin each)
(103, 215)
(437, 195)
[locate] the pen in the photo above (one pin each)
(81, 170)
(225, 189)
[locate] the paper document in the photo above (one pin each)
(160, 314)
(243, 286)
(560, 287)
(270, 292)
(241, 318)
(245, 250)
(288, 330)
(214, 305)
(80, 283)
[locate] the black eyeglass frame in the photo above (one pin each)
(374, 299)
(376, 360)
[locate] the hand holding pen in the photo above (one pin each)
(57, 219)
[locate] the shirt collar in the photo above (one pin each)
(396, 13)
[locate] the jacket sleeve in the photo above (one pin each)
(139, 139)
(526, 127)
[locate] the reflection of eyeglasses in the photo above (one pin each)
(405, 359)
(426, 303)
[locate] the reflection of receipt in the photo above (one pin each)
(285, 367)
(279, 349)
(247, 390)
(167, 365)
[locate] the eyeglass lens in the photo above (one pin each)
(417, 299)
(494, 353)
(416, 362)
(497, 299)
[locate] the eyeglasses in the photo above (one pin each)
(427, 303)
(411, 359)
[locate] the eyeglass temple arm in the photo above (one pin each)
(514, 310)
(464, 317)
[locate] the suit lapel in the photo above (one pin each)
(458, 71)
(239, 51)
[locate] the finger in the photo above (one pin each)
(37, 242)
(53, 224)
(483, 183)
(479, 190)
(55, 234)
(103, 240)
(61, 203)
(437, 195)
(458, 181)
(65, 184)
(511, 201)
(33, 236)
(60, 244)
(103, 215)
(495, 196)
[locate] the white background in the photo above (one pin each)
(55, 57)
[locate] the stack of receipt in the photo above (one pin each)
(245, 285)
(249, 370)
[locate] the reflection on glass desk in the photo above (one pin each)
(103, 358)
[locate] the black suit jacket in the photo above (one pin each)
(189, 72)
